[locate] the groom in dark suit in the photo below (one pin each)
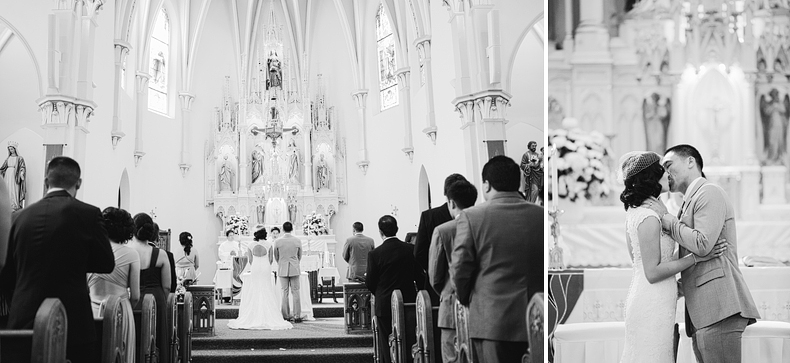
(53, 244)
(497, 263)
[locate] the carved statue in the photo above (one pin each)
(774, 114)
(532, 167)
(226, 176)
(293, 161)
(14, 173)
(292, 213)
(261, 213)
(656, 113)
(322, 174)
(257, 165)
(275, 71)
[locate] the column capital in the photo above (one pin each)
(454, 6)
(423, 42)
(56, 109)
(403, 77)
(485, 105)
(360, 96)
(142, 81)
(363, 165)
(121, 51)
(186, 100)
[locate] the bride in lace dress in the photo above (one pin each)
(652, 296)
(260, 303)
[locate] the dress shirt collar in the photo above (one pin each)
(691, 188)
(389, 238)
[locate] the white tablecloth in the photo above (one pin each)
(763, 342)
(329, 272)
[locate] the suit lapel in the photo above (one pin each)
(691, 193)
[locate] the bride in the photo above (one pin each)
(260, 307)
(652, 296)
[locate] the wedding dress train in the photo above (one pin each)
(260, 305)
(649, 308)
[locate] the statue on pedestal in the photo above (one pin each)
(774, 114)
(656, 114)
(257, 165)
(322, 174)
(293, 161)
(275, 71)
(292, 213)
(14, 174)
(532, 167)
(226, 176)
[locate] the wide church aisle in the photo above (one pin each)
(668, 179)
(323, 124)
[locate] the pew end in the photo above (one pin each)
(535, 329)
(45, 343)
(404, 319)
(465, 351)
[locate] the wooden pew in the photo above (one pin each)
(465, 351)
(535, 329)
(169, 338)
(110, 327)
(46, 342)
(404, 323)
(145, 320)
(374, 324)
(184, 324)
(428, 347)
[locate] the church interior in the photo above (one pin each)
(244, 114)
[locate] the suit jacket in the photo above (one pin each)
(391, 266)
(714, 289)
(439, 272)
(288, 252)
(429, 219)
(54, 243)
(497, 265)
(355, 252)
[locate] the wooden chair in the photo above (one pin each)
(185, 329)
(428, 348)
(535, 329)
(377, 353)
(465, 351)
(146, 340)
(169, 339)
(47, 338)
(110, 327)
(404, 324)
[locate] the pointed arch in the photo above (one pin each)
(29, 51)
(536, 28)
(124, 191)
(424, 190)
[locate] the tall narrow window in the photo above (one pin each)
(388, 82)
(158, 60)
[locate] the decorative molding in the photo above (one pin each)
(360, 97)
(363, 165)
(403, 77)
(121, 50)
(184, 169)
(409, 151)
(142, 81)
(65, 110)
(431, 133)
(116, 137)
(186, 100)
(138, 155)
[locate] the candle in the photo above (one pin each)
(554, 177)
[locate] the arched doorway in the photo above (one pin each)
(123, 191)
(424, 188)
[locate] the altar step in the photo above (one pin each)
(319, 311)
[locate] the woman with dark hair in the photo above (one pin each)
(260, 308)
(188, 263)
(651, 303)
(154, 270)
(124, 280)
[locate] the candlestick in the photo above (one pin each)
(554, 178)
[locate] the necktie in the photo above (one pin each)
(681, 251)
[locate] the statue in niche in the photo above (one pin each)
(656, 113)
(275, 71)
(293, 161)
(292, 213)
(226, 176)
(261, 213)
(257, 165)
(774, 114)
(322, 174)
(14, 174)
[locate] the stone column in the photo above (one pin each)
(243, 178)
(465, 107)
(360, 97)
(405, 98)
(121, 51)
(491, 106)
(186, 108)
(424, 49)
(307, 122)
(592, 35)
(567, 43)
(141, 86)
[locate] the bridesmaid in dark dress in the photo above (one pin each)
(154, 270)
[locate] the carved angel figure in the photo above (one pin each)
(774, 114)
(656, 113)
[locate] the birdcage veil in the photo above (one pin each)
(635, 161)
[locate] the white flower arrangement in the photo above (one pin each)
(581, 164)
(314, 224)
(239, 225)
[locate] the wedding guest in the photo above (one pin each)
(429, 219)
(54, 243)
(188, 261)
(355, 252)
(124, 280)
(497, 263)
(391, 266)
(170, 258)
(460, 195)
(154, 271)
(275, 234)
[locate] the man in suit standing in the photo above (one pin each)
(355, 252)
(719, 305)
(55, 242)
(429, 219)
(497, 263)
(460, 195)
(288, 252)
(391, 267)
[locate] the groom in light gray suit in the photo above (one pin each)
(288, 252)
(719, 305)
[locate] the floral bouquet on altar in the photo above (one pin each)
(239, 225)
(314, 225)
(581, 164)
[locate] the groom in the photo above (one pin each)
(718, 303)
(288, 252)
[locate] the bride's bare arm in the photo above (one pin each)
(649, 243)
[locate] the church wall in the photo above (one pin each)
(19, 90)
(525, 116)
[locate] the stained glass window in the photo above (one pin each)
(388, 81)
(158, 59)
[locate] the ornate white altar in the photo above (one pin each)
(275, 155)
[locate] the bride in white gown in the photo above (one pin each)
(652, 297)
(260, 303)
